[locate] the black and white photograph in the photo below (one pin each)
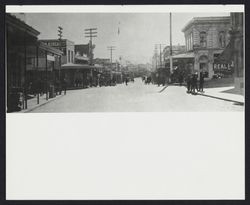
(125, 102)
(125, 62)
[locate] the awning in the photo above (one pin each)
(71, 66)
(80, 66)
(183, 55)
(82, 58)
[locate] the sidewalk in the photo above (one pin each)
(32, 103)
(223, 94)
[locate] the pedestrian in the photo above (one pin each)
(126, 81)
(194, 83)
(201, 83)
(64, 85)
(188, 80)
(180, 79)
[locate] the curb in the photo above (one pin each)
(42, 104)
(163, 88)
(219, 98)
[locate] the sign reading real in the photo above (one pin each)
(50, 58)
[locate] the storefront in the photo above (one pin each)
(81, 75)
(183, 64)
(31, 66)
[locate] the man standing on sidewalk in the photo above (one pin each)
(64, 85)
(188, 81)
(194, 83)
(201, 82)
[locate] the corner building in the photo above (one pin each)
(206, 38)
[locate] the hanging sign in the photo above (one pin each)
(50, 58)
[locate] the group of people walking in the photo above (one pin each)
(147, 79)
(192, 83)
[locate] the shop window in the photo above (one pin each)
(203, 39)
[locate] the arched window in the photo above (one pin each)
(203, 39)
(222, 39)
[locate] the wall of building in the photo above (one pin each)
(237, 37)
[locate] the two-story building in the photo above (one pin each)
(206, 38)
(65, 45)
(32, 67)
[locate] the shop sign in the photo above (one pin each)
(222, 67)
(50, 58)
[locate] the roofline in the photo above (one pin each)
(209, 19)
(23, 26)
(81, 44)
(56, 39)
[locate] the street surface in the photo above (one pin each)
(136, 97)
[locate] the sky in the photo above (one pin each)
(139, 32)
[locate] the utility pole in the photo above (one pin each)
(161, 44)
(171, 52)
(60, 59)
(111, 48)
(90, 33)
(156, 56)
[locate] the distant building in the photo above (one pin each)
(102, 61)
(206, 38)
(65, 45)
(84, 51)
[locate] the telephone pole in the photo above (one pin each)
(161, 44)
(60, 59)
(90, 33)
(60, 33)
(171, 52)
(111, 48)
(156, 58)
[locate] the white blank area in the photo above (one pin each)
(124, 8)
(125, 156)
